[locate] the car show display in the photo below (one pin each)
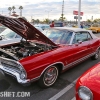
(43, 56)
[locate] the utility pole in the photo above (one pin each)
(62, 11)
(48, 12)
(79, 10)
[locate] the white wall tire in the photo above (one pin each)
(49, 77)
(97, 55)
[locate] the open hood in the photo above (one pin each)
(24, 29)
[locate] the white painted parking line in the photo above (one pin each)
(73, 98)
(59, 94)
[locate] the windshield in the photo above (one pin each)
(7, 33)
(59, 36)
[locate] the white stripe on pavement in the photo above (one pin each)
(59, 94)
(73, 98)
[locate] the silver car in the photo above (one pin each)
(9, 37)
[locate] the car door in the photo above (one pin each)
(81, 41)
(66, 51)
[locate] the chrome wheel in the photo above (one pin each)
(50, 76)
(96, 56)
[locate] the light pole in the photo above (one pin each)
(62, 11)
(48, 12)
(79, 10)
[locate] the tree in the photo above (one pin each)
(96, 20)
(46, 20)
(62, 18)
(9, 8)
(13, 8)
(89, 21)
(35, 21)
(32, 20)
(20, 7)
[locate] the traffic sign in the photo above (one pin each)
(76, 17)
(76, 13)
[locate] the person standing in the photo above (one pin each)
(81, 25)
(52, 24)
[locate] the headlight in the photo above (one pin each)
(23, 75)
(85, 93)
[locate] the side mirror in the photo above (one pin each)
(80, 42)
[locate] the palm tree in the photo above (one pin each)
(62, 18)
(13, 8)
(9, 8)
(20, 7)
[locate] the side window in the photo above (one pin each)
(81, 36)
(66, 38)
(89, 36)
(77, 38)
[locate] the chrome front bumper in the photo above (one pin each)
(16, 75)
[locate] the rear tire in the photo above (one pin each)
(49, 77)
(97, 55)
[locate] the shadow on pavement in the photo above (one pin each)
(4, 84)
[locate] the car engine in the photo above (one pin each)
(24, 49)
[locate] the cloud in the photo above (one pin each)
(40, 9)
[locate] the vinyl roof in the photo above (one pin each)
(70, 28)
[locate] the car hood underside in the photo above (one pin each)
(24, 29)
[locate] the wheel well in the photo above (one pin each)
(60, 67)
(98, 48)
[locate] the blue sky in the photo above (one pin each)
(41, 9)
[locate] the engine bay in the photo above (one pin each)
(23, 49)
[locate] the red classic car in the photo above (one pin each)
(88, 85)
(43, 56)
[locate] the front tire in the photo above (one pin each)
(49, 77)
(96, 56)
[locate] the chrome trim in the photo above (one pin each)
(23, 69)
(72, 38)
(98, 48)
(20, 66)
(17, 75)
(50, 66)
(87, 89)
(69, 65)
(77, 61)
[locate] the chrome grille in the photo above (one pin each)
(10, 65)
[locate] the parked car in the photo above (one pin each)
(42, 26)
(8, 37)
(39, 28)
(43, 56)
(58, 24)
(88, 85)
(95, 28)
(2, 28)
